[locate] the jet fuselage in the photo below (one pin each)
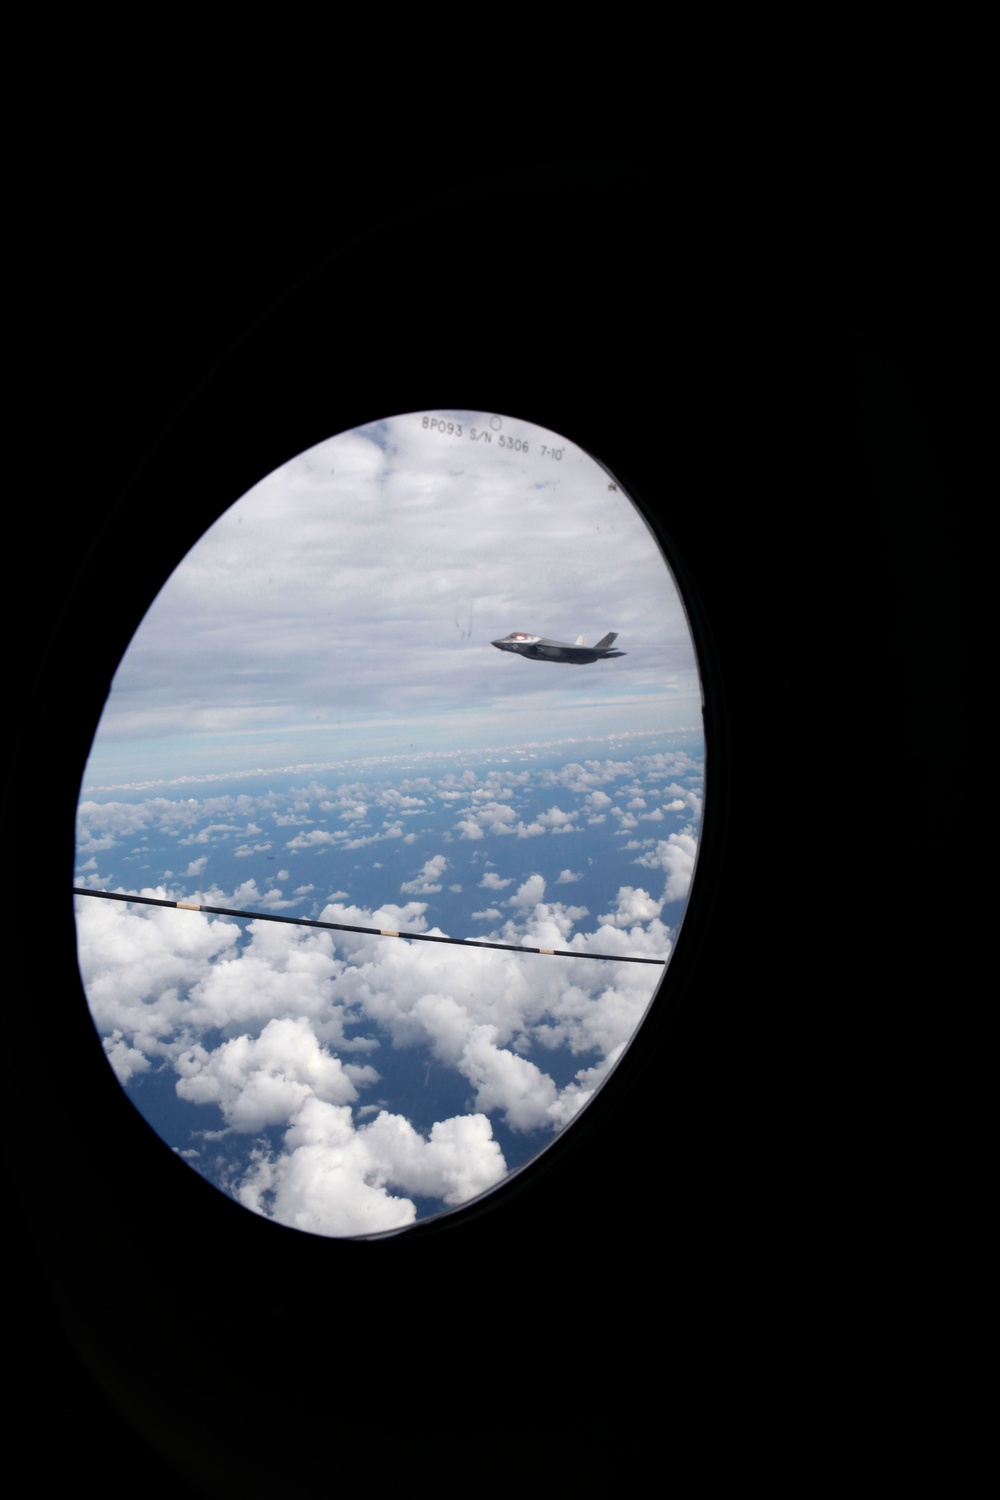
(537, 648)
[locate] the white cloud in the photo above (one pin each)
(334, 1179)
(273, 901)
(325, 1182)
(265, 1080)
(487, 817)
(518, 1088)
(126, 1060)
(458, 1161)
(428, 881)
(598, 802)
(529, 893)
(136, 968)
(207, 835)
(675, 855)
(557, 820)
(275, 1028)
(633, 908)
(312, 840)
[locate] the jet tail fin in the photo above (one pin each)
(579, 641)
(607, 640)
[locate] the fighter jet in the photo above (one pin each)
(537, 648)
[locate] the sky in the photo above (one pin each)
(311, 721)
(345, 606)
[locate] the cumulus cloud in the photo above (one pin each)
(312, 840)
(429, 879)
(528, 894)
(265, 1080)
(487, 817)
(138, 969)
(557, 820)
(676, 856)
(126, 1060)
(567, 876)
(633, 908)
(273, 900)
(335, 1179)
(503, 1081)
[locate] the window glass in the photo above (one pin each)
(432, 677)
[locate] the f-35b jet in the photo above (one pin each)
(537, 648)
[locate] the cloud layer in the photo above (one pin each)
(303, 1048)
(352, 595)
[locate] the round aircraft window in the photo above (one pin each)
(388, 827)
